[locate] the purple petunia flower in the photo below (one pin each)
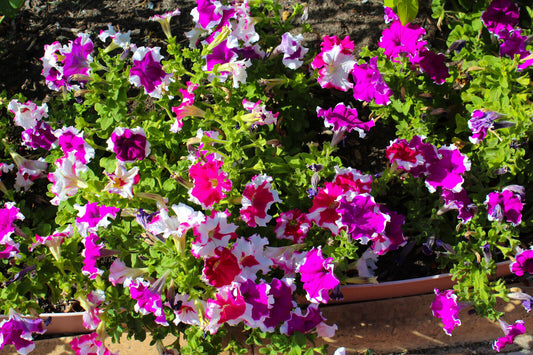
(345, 118)
(506, 204)
(446, 308)
(148, 298)
(317, 276)
(447, 171)
(258, 302)
(480, 123)
(147, 71)
(17, 331)
(369, 84)
(71, 141)
(292, 49)
(523, 263)
(511, 332)
(458, 201)
(281, 291)
(90, 254)
(93, 216)
(433, 65)
(40, 136)
(129, 144)
(400, 40)
(513, 44)
(500, 15)
(77, 56)
(390, 15)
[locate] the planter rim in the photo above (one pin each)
(61, 323)
(402, 288)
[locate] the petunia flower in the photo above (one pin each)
(185, 310)
(447, 171)
(433, 65)
(89, 344)
(207, 13)
(524, 297)
(402, 40)
(305, 323)
(403, 156)
(147, 71)
(458, 201)
(118, 39)
(222, 268)
(119, 272)
(504, 205)
(389, 15)
(18, 331)
(164, 21)
(513, 44)
(28, 171)
(258, 302)
(292, 225)
(77, 56)
(93, 216)
(511, 331)
(317, 276)
(258, 114)
(8, 215)
(250, 254)
(213, 232)
(257, 198)
(121, 181)
(335, 63)
(129, 144)
(91, 254)
(324, 211)
(446, 307)
(345, 118)
(480, 123)
(523, 263)
(500, 15)
(350, 179)
(53, 241)
(71, 140)
(52, 70)
(66, 178)
(282, 293)
(369, 84)
(227, 307)
(91, 316)
(27, 114)
(148, 297)
(292, 49)
(40, 136)
(210, 182)
(186, 108)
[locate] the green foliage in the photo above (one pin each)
(10, 8)
(405, 9)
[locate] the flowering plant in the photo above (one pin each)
(190, 188)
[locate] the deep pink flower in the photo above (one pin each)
(147, 71)
(292, 225)
(148, 298)
(77, 56)
(352, 180)
(445, 307)
(91, 254)
(343, 117)
(91, 316)
(8, 215)
(447, 172)
(221, 54)
(17, 331)
(511, 332)
(129, 144)
(212, 233)
(393, 233)
(228, 307)
(66, 178)
(71, 141)
(250, 254)
(458, 201)
(335, 63)
(400, 40)
(185, 309)
(52, 70)
(317, 276)
(405, 157)
(506, 204)
(390, 15)
(89, 344)
(257, 198)
(221, 269)
(53, 241)
(369, 84)
(429, 152)
(324, 211)
(183, 110)
(207, 13)
(523, 263)
(361, 215)
(433, 65)
(93, 216)
(210, 182)
(500, 15)
(258, 113)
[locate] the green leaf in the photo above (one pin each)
(407, 10)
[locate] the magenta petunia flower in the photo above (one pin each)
(89, 344)
(148, 298)
(147, 71)
(399, 40)
(281, 291)
(362, 217)
(52, 70)
(257, 198)
(343, 117)
(480, 123)
(207, 13)
(504, 205)
(447, 171)
(90, 254)
(71, 141)
(335, 63)
(369, 84)
(317, 276)
(446, 308)
(129, 144)
(458, 201)
(210, 182)
(8, 215)
(228, 307)
(221, 269)
(433, 65)
(292, 225)
(500, 15)
(511, 331)
(303, 323)
(221, 54)
(393, 233)
(18, 331)
(258, 114)
(324, 211)
(523, 263)
(258, 302)
(405, 157)
(91, 316)
(77, 56)
(186, 108)
(389, 15)
(40, 136)
(93, 216)
(350, 179)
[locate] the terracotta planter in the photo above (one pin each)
(410, 287)
(62, 323)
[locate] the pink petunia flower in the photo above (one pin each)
(335, 63)
(221, 269)
(399, 40)
(506, 204)
(129, 144)
(257, 198)
(91, 316)
(292, 225)
(40, 136)
(405, 157)
(250, 254)
(500, 15)
(369, 84)
(210, 182)
(258, 114)
(66, 178)
(350, 179)
(305, 323)
(185, 310)
(458, 201)
(447, 171)
(480, 123)
(71, 141)
(344, 118)
(89, 344)
(93, 216)
(28, 171)
(147, 71)
(18, 331)
(53, 241)
(511, 331)
(446, 307)
(121, 181)
(91, 254)
(227, 307)
(186, 108)
(317, 276)
(324, 209)
(213, 232)
(523, 263)
(389, 15)
(148, 297)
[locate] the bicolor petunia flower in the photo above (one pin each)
(8, 215)
(258, 114)
(40, 136)
(66, 178)
(118, 39)
(282, 291)
(71, 141)
(389, 15)
(185, 310)
(222, 268)
(292, 225)
(292, 49)
(257, 198)
(288, 258)
(18, 331)
(227, 307)
(174, 226)
(93, 216)
(305, 323)
(213, 232)
(91, 316)
(164, 21)
(89, 344)
(90, 254)
(210, 182)
(53, 241)
(27, 114)
(324, 211)
(121, 181)
(480, 123)
(458, 201)
(350, 179)
(148, 297)
(250, 254)
(129, 144)
(148, 73)
(523, 263)
(119, 272)
(505, 205)
(400, 154)
(258, 302)
(511, 331)
(369, 84)
(335, 63)
(344, 118)
(500, 15)
(400, 40)
(316, 274)
(77, 56)
(28, 171)
(446, 307)
(52, 70)
(527, 300)
(186, 108)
